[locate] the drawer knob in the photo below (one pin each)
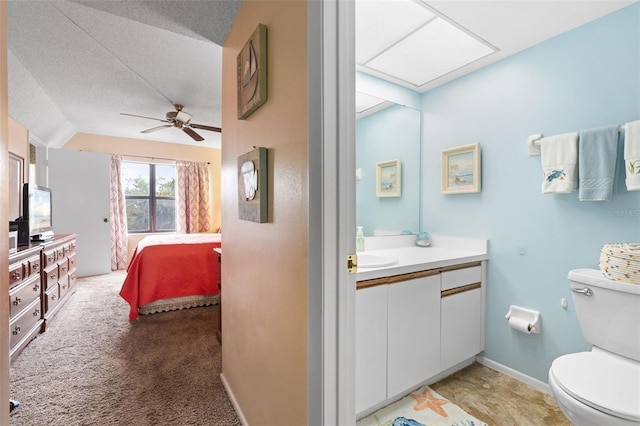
(35, 266)
(16, 276)
(54, 297)
(36, 313)
(53, 277)
(36, 287)
(17, 301)
(16, 331)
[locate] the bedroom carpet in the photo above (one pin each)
(94, 367)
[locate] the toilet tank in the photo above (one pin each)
(610, 315)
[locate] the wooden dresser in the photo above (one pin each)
(42, 276)
(25, 290)
(59, 274)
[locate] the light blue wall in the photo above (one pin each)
(393, 133)
(586, 78)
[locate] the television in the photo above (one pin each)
(36, 209)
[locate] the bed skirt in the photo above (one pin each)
(177, 303)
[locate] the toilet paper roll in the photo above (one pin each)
(519, 324)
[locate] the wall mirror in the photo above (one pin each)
(393, 132)
(16, 180)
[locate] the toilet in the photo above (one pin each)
(601, 387)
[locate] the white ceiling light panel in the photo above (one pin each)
(434, 50)
(381, 23)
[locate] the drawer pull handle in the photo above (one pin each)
(16, 276)
(36, 313)
(36, 287)
(16, 331)
(35, 266)
(17, 301)
(53, 277)
(53, 297)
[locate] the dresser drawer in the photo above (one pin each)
(21, 325)
(64, 286)
(33, 265)
(23, 294)
(51, 276)
(72, 278)
(72, 261)
(63, 267)
(51, 298)
(49, 258)
(16, 273)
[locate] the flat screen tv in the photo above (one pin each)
(36, 209)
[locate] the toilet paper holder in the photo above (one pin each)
(523, 319)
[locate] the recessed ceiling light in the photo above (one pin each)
(434, 50)
(381, 23)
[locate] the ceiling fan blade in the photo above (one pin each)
(153, 129)
(193, 134)
(142, 116)
(203, 127)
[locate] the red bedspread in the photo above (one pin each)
(159, 270)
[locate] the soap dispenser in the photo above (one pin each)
(359, 239)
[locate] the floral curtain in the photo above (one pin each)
(192, 207)
(118, 214)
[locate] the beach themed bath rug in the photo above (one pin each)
(423, 407)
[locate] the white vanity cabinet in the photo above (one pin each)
(371, 346)
(413, 329)
(462, 315)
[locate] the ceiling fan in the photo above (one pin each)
(179, 119)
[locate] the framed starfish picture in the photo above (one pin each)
(252, 73)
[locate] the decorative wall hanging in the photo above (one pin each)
(388, 179)
(252, 186)
(461, 169)
(252, 73)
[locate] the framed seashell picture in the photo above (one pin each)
(252, 186)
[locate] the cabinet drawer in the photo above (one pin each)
(33, 265)
(63, 267)
(51, 298)
(64, 286)
(72, 262)
(462, 325)
(20, 326)
(51, 276)
(16, 273)
(72, 278)
(23, 294)
(461, 277)
(49, 257)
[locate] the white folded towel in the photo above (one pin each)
(632, 155)
(559, 158)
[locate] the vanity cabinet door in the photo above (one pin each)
(413, 333)
(461, 310)
(371, 346)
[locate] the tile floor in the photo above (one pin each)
(498, 399)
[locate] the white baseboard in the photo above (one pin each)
(233, 400)
(541, 386)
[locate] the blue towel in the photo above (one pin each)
(597, 159)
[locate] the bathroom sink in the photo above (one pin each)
(366, 260)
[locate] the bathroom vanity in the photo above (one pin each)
(420, 317)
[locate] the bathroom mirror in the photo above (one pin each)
(388, 134)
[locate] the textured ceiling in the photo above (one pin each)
(74, 66)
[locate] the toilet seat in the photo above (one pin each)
(603, 381)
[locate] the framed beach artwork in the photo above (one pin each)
(461, 169)
(388, 179)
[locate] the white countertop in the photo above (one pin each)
(444, 251)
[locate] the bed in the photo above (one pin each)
(170, 272)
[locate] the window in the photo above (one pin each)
(150, 193)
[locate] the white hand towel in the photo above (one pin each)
(559, 158)
(632, 155)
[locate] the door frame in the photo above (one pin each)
(331, 168)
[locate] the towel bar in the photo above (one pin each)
(533, 143)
